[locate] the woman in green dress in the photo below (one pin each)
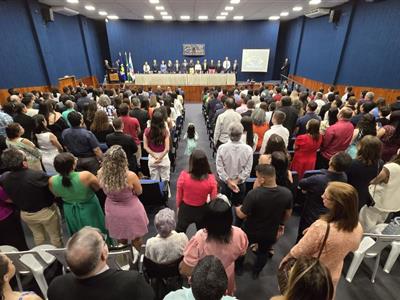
(77, 189)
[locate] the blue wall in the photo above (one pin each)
(362, 49)
(163, 40)
(34, 53)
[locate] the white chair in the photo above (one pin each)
(393, 255)
(122, 258)
(371, 246)
(59, 254)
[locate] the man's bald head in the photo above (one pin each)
(84, 251)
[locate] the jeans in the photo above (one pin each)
(261, 254)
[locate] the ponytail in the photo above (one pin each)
(66, 181)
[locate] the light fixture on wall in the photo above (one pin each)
(224, 13)
(203, 18)
(113, 17)
(235, 1)
(221, 18)
(90, 7)
(160, 7)
(73, 1)
(154, 1)
(297, 8)
(185, 18)
(148, 17)
(238, 18)
(229, 8)
(163, 13)
(167, 18)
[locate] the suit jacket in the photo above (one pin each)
(127, 143)
(291, 118)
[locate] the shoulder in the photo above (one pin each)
(284, 191)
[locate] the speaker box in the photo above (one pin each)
(47, 14)
(334, 16)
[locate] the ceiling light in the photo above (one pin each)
(235, 1)
(167, 18)
(102, 13)
(154, 1)
(148, 17)
(203, 18)
(229, 8)
(159, 7)
(274, 18)
(297, 8)
(73, 1)
(314, 2)
(113, 17)
(90, 7)
(185, 17)
(284, 14)
(238, 18)
(163, 13)
(224, 13)
(221, 18)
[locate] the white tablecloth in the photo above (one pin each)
(185, 79)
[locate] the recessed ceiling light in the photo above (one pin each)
(90, 7)
(113, 17)
(297, 8)
(102, 13)
(220, 18)
(163, 13)
(238, 18)
(224, 13)
(148, 17)
(314, 2)
(185, 17)
(284, 14)
(106, 20)
(159, 7)
(203, 18)
(154, 1)
(235, 1)
(229, 8)
(274, 18)
(167, 18)
(73, 1)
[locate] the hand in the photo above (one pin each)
(281, 231)
(157, 160)
(233, 186)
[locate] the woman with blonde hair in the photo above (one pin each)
(126, 218)
(340, 225)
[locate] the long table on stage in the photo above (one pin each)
(186, 79)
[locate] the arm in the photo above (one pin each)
(220, 167)
(99, 154)
(355, 133)
(217, 130)
(179, 190)
(264, 143)
(381, 132)
(383, 177)
(328, 138)
(146, 147)
(90, 180)
(166, 148)
(185, 270)
(135, 181)
(55, 142)
(239, 213)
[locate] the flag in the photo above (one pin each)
(131, 70)
(128, 75)
(122, 74)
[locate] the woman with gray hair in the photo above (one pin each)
(126, 218)
(104, 104)
(260, 125)
(168, 245)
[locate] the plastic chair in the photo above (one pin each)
(393, 255)
(371, 246)
(122, 258)
(59, 254)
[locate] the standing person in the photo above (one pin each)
(390, 136)
(69, 105)
(191, 136)
(337, 138)
(126, 218)
(15, 141)
(219, 238)
(291, 114)
(193, 188)
(265, 210)
(306, 147)
(5, 119)
(156, 142)
(301, 124)
(104, 104)
(101, 127)
(249, 137)
(277, 120)
(367, 163)
(38, 211)
(47, 142)
(77, 190)
(388, 181)
(224, 120)
(234, 162)
(55, 122)
(131, 127)
(140, 114)
(260, 126)
(344, 235)
(366, 126)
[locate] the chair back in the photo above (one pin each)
(161, 271)
(59, 254)
(121, 258)
(381, 242)
(155, 193)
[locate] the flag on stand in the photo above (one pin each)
(128, 76)
(131, 70)
(122, 74)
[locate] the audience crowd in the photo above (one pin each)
(78, 156)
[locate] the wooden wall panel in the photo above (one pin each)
(389, 94)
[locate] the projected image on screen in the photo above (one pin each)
(255, 60)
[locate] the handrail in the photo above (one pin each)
(283, 77)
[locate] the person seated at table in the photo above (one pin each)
(146, 68)
(163, 67)
(219, 66)
(190, 67)
(205, 66)
(154, 67)
(211, 67)
(177, 67)
(197, 67)
(184, 67)
(170, 67)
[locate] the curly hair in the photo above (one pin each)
(113, 169)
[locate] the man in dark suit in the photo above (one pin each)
(118, 137)
(24, 120)
(291, 114)
(139, 114)
(90, 277)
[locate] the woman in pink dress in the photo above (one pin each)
(126, 218)
(306, 146)
(345, 231)
(219, 238)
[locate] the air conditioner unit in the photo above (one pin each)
(318, 12)
(65, 11)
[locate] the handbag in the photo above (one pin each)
(393, 228)
(284, 270)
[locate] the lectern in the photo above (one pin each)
(66, 81)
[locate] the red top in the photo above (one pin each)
(305, 154)
(194, 192)
(152, 146)
(337, 138)
(131, 127)
(277, 97)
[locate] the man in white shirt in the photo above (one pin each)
(349, 90)
(277, 128)
(224, 120)
(320, 102)
(226, 65)
(146, 68)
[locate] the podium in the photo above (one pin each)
(112, 75)
(66, 81)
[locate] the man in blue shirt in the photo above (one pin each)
(82, 143)
(301, 125)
